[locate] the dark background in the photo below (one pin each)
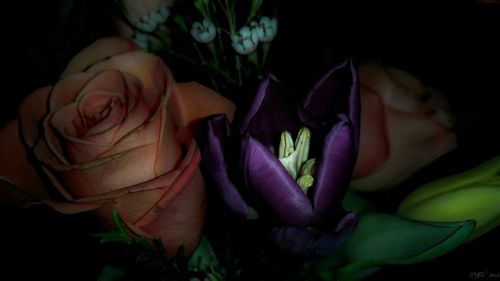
(452, 47)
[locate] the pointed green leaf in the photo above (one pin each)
(391, 239)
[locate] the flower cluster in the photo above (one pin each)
(208, 35)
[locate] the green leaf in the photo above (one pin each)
(203, 257)
(357, 270)
(391, 239)
(255, 7)
(110, 273)
(352, 202)
(382, 239)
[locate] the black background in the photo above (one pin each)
(452, 47)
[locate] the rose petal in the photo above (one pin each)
(99, 50)
(156, 78)
(216, 130)
(374, 146)
(66, 90)
(74, 208)
(272, 112)
(106, 175)
(31, 112)
(334, 168)
(415, 142)
(400, 95)
(267, 179)
(192, 101)
(106, 109)
(314, 243)
(181, 221)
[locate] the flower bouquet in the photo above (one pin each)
(227, 140)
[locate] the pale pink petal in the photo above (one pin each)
(415, 142)
(100, 50)
(373, 144)
(404, 95)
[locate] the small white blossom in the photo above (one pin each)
(203, 32)
(266, 29)
(245, 41)
(141, 40)
(150, 21)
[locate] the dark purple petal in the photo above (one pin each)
(314, 243)
(335, 93)
(216, 130)
(272, 111)
(268, 180)
(334, 168)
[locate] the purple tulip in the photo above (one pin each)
(249, 176)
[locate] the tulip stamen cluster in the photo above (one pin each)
(294, 157)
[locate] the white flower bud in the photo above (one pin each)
(151, 20)
(266, 29)
(203, 32)
(245, 41)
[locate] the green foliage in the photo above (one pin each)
(151, 261)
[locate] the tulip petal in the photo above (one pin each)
(216, 130)
(334, 168)
(272, 112)
(267, 179)
(99, 50)
(337, 92)
(314, 243)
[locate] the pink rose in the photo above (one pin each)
(404, 127)
(116, 133)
